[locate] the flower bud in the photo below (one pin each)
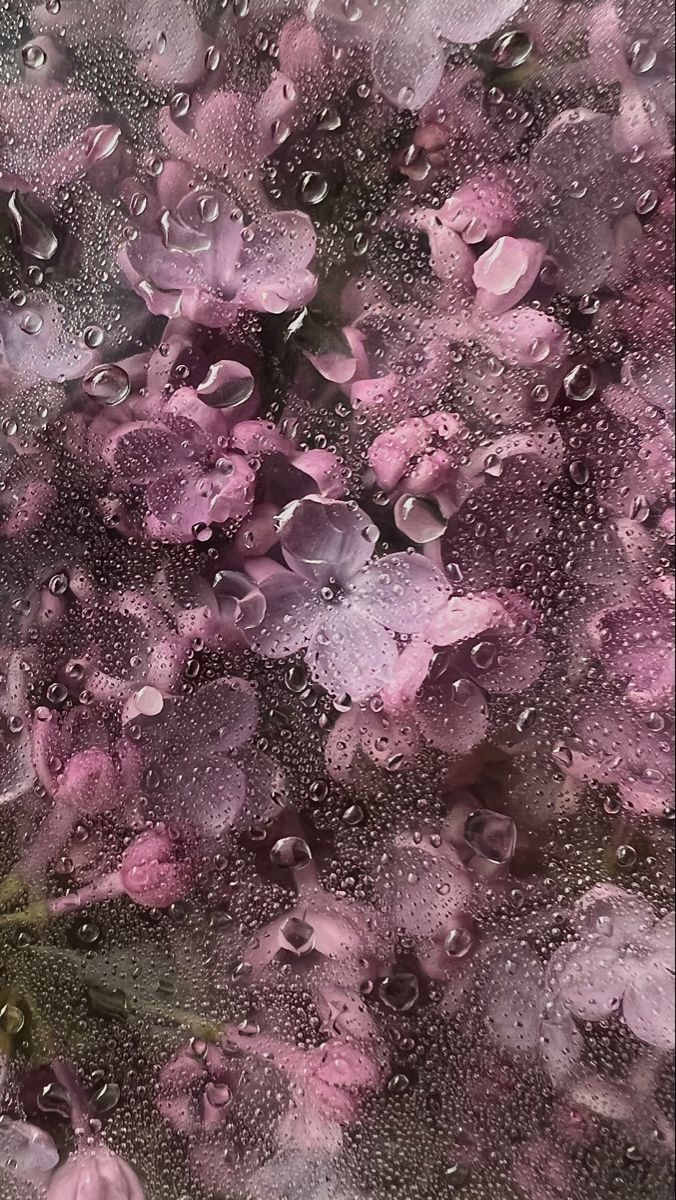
(155, 870)
(96, 1174)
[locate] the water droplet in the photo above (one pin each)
(400, 992)
(354, 815)
(106, 1098)
(526, 719)
(626, 856)
(31, 322)
(291, 852)
(33, 56)
(579, 471)
(138, 204)
(58, 586)
(647, 202)
(491, 835)
(226, 385)
(352, 10)
(511, 49)
(92, 337)
(149, 701)
(218, 1095)
(108, 384)
(36, 238)
(589, 304)
(12, 1019)
(416, 164)
(329, 120)
(419, 519)
(642, 57)
(493, 466)
(52, 1098)
(212, 58)
(297, 936)
(179, 105)
(458, 943)
(580, 383)
(483, 655)
(313, 188)
(639, 510)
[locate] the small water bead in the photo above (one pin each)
(292, 853)
(313, 187)
(512, 49)
(108, 384)
(580, 383)
(491, 835)
(88, 933)
(56, 693)
(53, 7)
(416, 164)
(493, 466)
(352, 10)
(33, 56)
(642, 57)
(419, 519)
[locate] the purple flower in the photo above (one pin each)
(635, 644)
(208, 265)
(622, 959)
(339, 606)
(196, 1088)
(95, 1174)
(155, 870)
(31, 1149)
(197, 755)
(615, 744)
(525, 1014)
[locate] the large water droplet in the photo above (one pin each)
(36, 238)
(291, 852)
(313, 188)
(400, 992)
(109, 384)
(491, 835)
(511, 49)
(33, 56)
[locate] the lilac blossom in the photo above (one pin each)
(339, 606)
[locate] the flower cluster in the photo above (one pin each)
(336, 630)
